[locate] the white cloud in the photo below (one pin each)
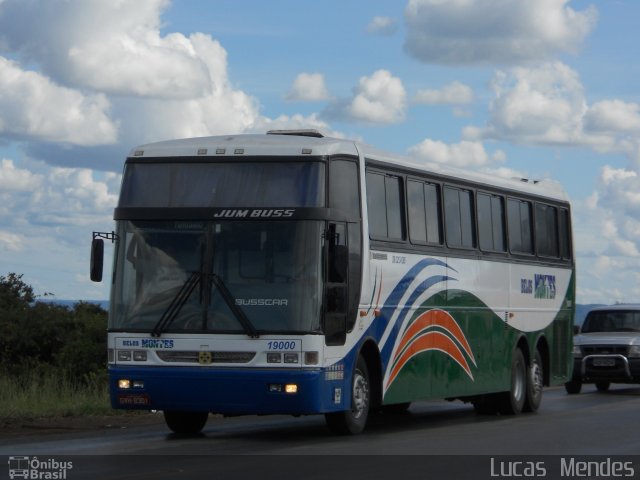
(309, 87)
(382, 26)
(32, 106)
(159, 86)
(494, 32)
(10, 241)
(380, 98)
(613, 116)
(114, 47)
(59, 208)
(544, 105)
(613, 211)
(14, 179)
(454, 93)
(463, 154)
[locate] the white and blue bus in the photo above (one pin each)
(291, 273)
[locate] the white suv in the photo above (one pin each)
(607, 348)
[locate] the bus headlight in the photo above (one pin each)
(124, 355)
(274, 357)
(291, 388)
(124, 384)
(291, 358)
(140, 355)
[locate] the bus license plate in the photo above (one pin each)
(604, 362)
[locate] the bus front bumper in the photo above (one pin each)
(227, 391)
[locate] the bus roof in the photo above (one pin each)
(311, 142)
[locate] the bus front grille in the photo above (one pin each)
(197, 357)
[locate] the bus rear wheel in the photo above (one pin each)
(512, 402)
(353, 421)
(185, 423)
(535, 384)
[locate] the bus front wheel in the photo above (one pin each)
(185, 423)
(353, 421)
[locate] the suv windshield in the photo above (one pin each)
(612, 321)
(270, 273)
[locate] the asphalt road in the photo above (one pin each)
(588, 425)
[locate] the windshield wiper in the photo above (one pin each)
(176, 304)
(235, 309)
(181, 297)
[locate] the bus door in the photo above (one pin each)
(336, 287)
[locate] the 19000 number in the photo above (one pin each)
(281, 345)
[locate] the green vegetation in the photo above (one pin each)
(52, 358)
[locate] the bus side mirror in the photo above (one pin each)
(97, 259)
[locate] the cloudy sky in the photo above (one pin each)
(537, 89)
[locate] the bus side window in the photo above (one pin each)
(459, 218)
(547, 230)
(386, 206)
(491, 222)
(564, 231)
(425, 224)
(519, 226)
(344, 188)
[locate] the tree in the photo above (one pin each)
(45, 337)
(14, 293)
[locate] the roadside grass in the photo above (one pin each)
(38, 395)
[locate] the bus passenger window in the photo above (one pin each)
(459, 218)
(424, 213)
(547, 230)
(564, 234)
(417, 214)
(519, 225)
(385, 205)
(491, 222)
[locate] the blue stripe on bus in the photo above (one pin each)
(428, 283)
(390, 304)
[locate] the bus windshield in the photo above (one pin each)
(223, 184)
(216, 273)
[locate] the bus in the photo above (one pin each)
(293, 273)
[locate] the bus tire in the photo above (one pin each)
(535, 383)
(353, 421)
(603, 386)
(185, 423)
(513, 400)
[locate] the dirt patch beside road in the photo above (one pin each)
(43, 426)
